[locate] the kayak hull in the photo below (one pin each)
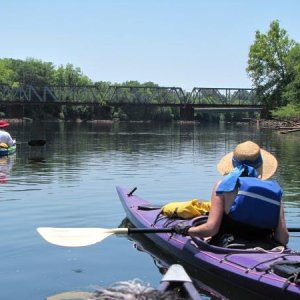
(8, 151)
(247, 268)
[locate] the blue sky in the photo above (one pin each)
(187, 43)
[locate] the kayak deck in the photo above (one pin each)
(8, 151)
(251, 268)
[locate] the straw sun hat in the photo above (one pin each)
(249, 151)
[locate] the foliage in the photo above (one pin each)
(267, 64)
(32, 71)
(292, 90)
(288, 112)
(6, 73)
(35, 72)
(70, 76)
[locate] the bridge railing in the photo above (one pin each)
(21, 93)
(224, 96)
(75, 94)
(120, 94)
(146, 95)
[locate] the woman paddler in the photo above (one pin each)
(244, 204)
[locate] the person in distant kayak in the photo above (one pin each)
(5, 137)
(244, 204)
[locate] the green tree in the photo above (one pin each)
(6, 73)
(292, 90)
(33, 71)
(70, 76)
(267, 64)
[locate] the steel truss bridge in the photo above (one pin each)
(199, 99)
(114, 94)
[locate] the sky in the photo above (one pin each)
(174, 43)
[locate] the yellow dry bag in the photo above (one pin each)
(187, 209)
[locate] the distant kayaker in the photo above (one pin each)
(244, 204)
(5, 137)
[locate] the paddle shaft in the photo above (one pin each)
(150, 230)
(170, 230)
(138, 230)
(161, 230)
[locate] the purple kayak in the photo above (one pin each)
(258, 271)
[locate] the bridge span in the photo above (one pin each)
(205, 100)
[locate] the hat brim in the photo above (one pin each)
(266, 171)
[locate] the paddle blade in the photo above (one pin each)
(74, 237)
(37, 143)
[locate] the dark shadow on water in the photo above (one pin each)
(37, 160)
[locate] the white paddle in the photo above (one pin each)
(80, 237)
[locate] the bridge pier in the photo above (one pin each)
(43, 111)
(102, 112)
(187, 113)
(264, 114)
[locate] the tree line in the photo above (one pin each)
(273, 66)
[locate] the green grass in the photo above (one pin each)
(289, 112)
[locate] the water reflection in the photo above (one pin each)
(6, 164)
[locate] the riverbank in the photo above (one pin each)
(281, 125)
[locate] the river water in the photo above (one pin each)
(70, 182)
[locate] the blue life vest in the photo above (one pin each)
(257, 203)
